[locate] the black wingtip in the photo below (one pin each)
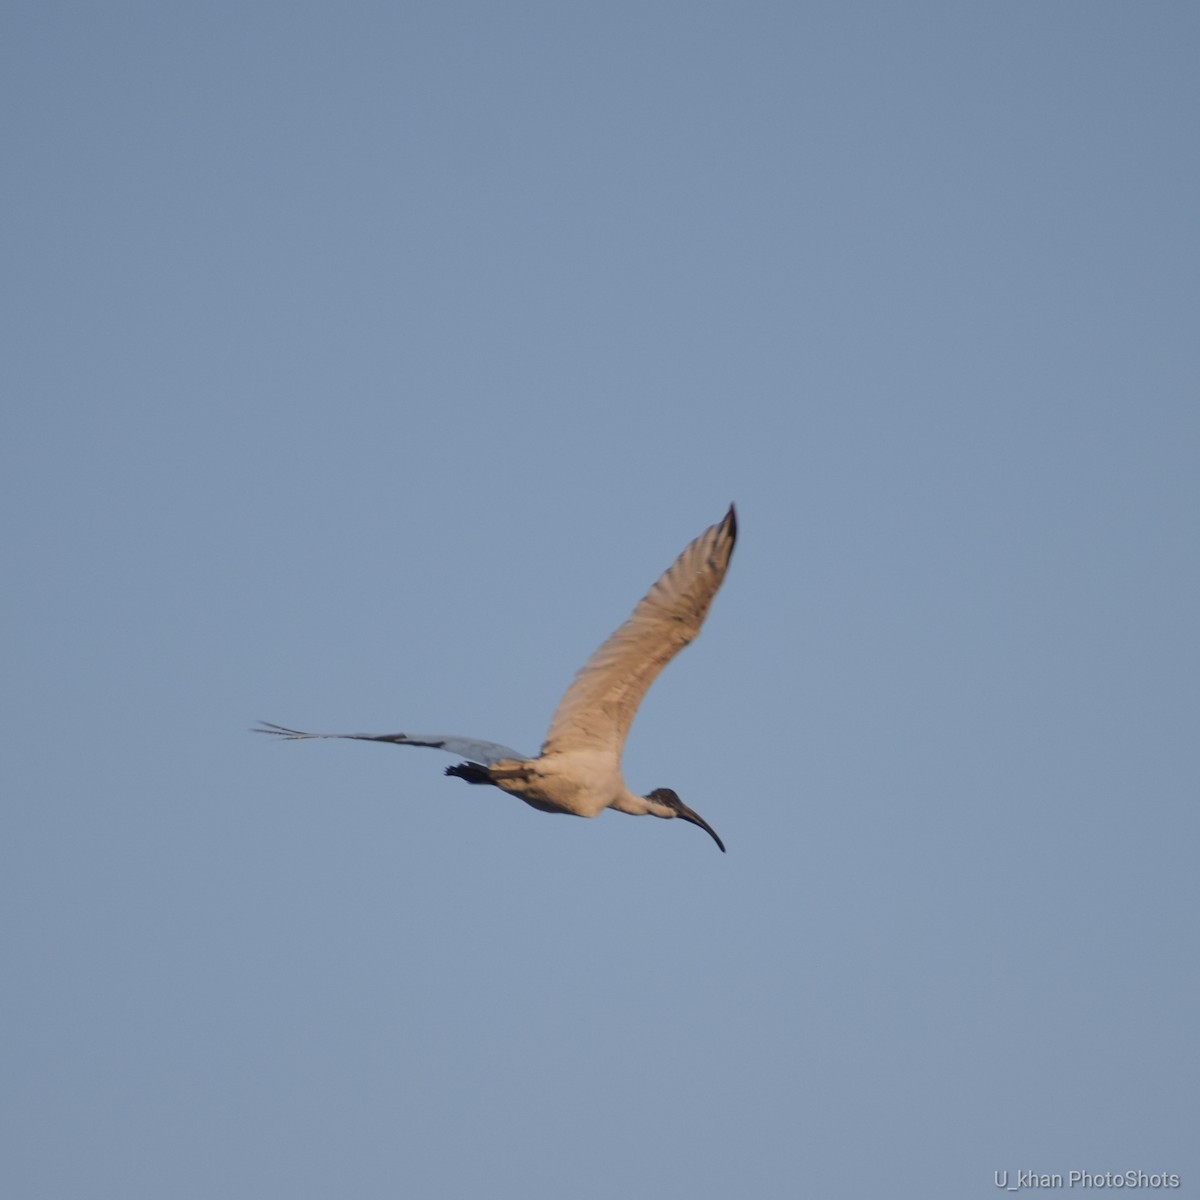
(731, 521)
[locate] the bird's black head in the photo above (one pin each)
(670, 800)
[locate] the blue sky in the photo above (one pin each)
(365, 364)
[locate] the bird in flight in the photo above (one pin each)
(579, 768)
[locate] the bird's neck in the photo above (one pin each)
(639, 806)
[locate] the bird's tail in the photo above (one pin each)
(471, 772)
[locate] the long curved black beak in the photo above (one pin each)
(696, 819)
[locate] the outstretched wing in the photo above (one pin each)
(599, 706)
(471, 749)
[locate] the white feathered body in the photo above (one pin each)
(584, 781)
